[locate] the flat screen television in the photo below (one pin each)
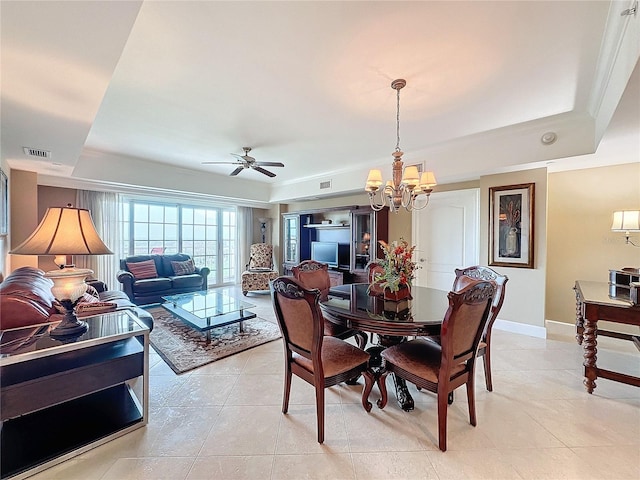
(325, 252)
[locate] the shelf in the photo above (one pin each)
(39, 437)
(326, 225)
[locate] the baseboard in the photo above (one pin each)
(521, 328)
(567, 332)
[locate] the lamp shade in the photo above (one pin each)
(626, 221)
(64, 231)
(411, 176)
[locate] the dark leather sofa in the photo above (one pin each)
(26, 299)
(151, 290)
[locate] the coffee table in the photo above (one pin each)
(208, 309)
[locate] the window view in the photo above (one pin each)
(208, 234)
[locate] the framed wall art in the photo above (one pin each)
(511, 225)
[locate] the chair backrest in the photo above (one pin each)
(261, 256)
(311, 274)
(157, 250)
(299, 318)
(466, 275)
(374, 268)
(464, 324)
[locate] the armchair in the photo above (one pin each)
(259, 271)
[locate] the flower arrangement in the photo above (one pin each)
(398, 267)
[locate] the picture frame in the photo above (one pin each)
(4, 203)
(511, 225)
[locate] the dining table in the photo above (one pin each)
(354, 306)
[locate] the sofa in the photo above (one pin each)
(26, 299)
(147, 278)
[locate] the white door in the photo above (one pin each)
(447, 236)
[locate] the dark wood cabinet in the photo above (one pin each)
(356, 230)
(368, 227)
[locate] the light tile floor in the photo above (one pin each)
(223, 421)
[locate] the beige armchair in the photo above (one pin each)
(260, 270)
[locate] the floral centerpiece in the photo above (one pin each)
(398, 268)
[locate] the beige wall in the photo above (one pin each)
(581, 245)
(525, 293)
(23, 201)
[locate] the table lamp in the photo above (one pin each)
(626, 221)
(64, 232)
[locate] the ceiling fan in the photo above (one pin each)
(245, 161)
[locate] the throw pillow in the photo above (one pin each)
(143, 270)
(183, 268)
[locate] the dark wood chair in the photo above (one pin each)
(463, 276)
(320, 360)
(441, 368)
(373, 268)
(312, 274)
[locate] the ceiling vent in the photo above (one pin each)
(325, 185)
(36, 152)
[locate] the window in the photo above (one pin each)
(208, 234)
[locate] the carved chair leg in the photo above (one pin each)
(361, 339)
(382, 386)
(486, 360)
(442, 420)
(320, 412)
(472, 401)
(369, 380)
(287, 391)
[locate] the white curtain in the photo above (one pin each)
(245, 236)
(106, 210)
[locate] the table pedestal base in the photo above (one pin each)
(377, 369)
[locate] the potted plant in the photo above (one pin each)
(398, 270)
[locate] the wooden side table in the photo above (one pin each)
(593, 303)
(62, 398)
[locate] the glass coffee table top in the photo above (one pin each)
(208, 309)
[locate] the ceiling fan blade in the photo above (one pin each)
(270, 164)
(262, 170)
(236, 171)
(220, 163)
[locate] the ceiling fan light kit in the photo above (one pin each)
(408, 189)
(245, 161)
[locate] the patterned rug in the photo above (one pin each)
(184, 348)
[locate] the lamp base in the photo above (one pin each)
(70, 326)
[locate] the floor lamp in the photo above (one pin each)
(64, 232)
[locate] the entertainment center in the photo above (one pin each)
(345, 238)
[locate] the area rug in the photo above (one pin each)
(184, 348)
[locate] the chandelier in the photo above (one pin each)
(409, 189)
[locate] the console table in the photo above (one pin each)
(593, 303)
(61, 398)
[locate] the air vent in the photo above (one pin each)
(325, 185)
(36, 152)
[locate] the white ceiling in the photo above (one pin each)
(108, 87)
